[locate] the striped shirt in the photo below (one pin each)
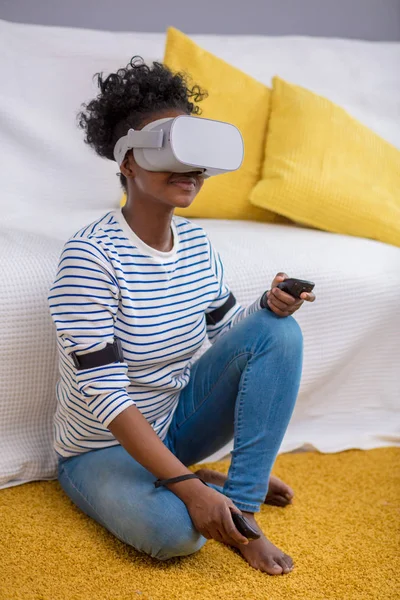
(161, 306)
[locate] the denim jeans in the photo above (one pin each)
(243, 387)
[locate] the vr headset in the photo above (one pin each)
(184, 144)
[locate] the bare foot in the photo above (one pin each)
(261, 554)
(279, 493)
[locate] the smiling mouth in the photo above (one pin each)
(186, 182)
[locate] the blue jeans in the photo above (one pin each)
(243, 387)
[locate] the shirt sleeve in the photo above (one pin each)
(83, 302)
(224, 311)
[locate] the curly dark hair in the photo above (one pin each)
(130, 95)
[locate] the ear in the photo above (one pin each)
(128, 165)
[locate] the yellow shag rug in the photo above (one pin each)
(342, 531)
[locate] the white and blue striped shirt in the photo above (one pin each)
(109, 283)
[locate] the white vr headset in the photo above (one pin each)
(184, 144)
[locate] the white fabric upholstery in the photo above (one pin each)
(52, 184)
(350, 389)
(28, 357)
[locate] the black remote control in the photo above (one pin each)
(244, 527)
(295, 287)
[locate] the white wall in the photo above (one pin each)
(362, 19)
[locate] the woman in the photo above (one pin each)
(155, 282)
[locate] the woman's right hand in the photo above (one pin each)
(210, 512)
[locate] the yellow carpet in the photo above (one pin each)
(342, 532)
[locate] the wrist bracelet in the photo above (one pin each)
(161, 482)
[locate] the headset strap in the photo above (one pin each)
(137, 139)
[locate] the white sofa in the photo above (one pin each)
(52, 184)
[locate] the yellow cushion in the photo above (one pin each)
(236, 98)
(324, 169)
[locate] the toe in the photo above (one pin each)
(277, 500)
(285, 567)
(273, 567)
(286, 562)
(277, 486)
(288, 492)
(289, 560)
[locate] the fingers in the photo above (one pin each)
(279, 277)
(217, 534)
(220, 527)
(273, 303)
(284, 298)
(281, 303)
(232, 535)
(214, 531)
(207, 533)
(309, 296)
(282, 275)
(224, 531)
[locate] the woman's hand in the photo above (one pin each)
(210, 512)
(283, 304)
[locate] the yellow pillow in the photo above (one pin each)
(325, 169)
(236, 98)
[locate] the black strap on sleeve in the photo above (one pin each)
(110, 354)
(161, 482)
(218, 314)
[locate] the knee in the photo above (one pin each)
(177, 544)
(292, 333)
(164, 532)
(282, 332)
(170, 541)
(288, 339)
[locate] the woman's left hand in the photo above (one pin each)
(283, 304)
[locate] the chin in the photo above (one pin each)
(182, 200)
